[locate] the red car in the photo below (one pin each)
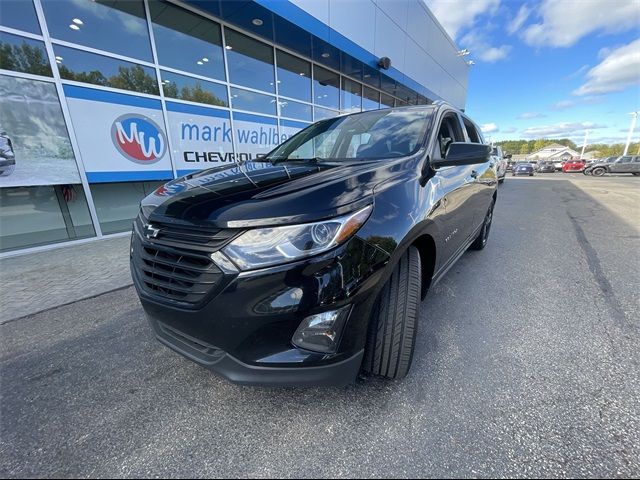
(574, 165)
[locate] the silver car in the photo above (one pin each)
(7, 155)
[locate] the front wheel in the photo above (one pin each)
(481, 240)
(502, 179)
(392, 332)
(598, 172)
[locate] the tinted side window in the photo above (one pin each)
(448, 133)
(472, 133)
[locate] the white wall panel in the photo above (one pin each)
(397, 10)
(355, 19)
(390, 40)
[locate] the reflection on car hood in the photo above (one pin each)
(261, 193)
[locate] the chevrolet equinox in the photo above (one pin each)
(308, 265)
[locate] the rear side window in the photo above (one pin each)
(472, 133)
(448, 133)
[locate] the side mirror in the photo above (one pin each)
(460, 153)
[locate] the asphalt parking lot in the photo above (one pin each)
(527, 364)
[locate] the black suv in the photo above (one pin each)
(307, 265)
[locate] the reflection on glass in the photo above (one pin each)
(193, 89)
(106, 71)
(117, 204)
(113, 25)
(250, 61)
(252, 101)
(31, 116)
(31, 216)
(22, 54)
(370, 99)
(19, 14)
(187, 41)
(322, 113)
(300, 111)
(386, 100)
(326, 88)
(294, 77)
(351, 96)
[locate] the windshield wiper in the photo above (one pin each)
(309, 160)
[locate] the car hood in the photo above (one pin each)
(261, 193)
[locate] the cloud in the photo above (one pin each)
(577, 73)
(489, 128)
(560, 129)
(518, 21)
(479, 46)
(510, 130)
(530, 115)
(619, 69)
(564, 22)
(454, 15)
(563, 105)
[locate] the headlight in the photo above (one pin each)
(263, 247)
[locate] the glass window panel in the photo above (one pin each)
(326, 88)
(351, 96)
(294, 77)
(386, 100)
(31, 216)
(187, 41)
(22, 54)
(106, 71)
(296, 110)
(323, 113)
(193, 89)
(19, 14)
(117, 204)
(117, 26)
(370, 99)
(371, 76)
(33, 127)
(250, 61)
(253, 102)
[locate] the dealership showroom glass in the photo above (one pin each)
(103, 102)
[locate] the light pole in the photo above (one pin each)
(584, 144)
(634, 118)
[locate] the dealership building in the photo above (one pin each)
(103, 101)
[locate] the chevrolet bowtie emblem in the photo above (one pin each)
(150, 231)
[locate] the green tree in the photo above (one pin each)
(24, 58)
(524, 149)
(134, 78)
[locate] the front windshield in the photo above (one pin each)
(363, 136)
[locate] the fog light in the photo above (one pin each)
(321, 332)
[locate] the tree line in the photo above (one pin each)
(525, 147)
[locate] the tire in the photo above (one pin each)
(598, 172)
(481, 240)
(392, 332)
(636, 174)
(7, 171)
(501, 180)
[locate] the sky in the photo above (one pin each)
(549, 68)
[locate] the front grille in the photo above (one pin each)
(204, 238)
(174, 274)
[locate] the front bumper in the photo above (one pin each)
(243, 328)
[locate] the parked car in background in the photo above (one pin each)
(7, 155)
(523, 168)
(558, 164)
(573, 165)
(309, 264)
(547, 167)
(500, 163)
(627, 164)
(590, 167)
